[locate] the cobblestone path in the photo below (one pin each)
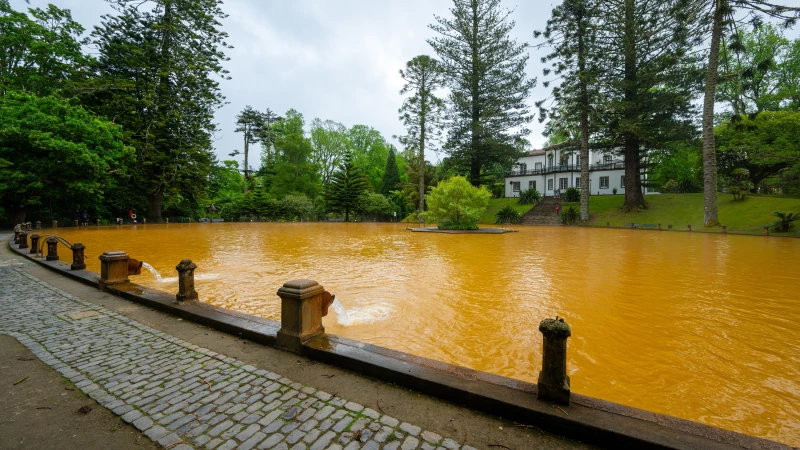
(183, 396)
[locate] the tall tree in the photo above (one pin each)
(485, 72)
(251, 124)
(346, 188)
(268, 137)
(159, 64)
(570, 36)
(421, 113)
(722, 14)
(647, 79)
(40, 52)
(369, 149)
(391, 175)
(329, 140)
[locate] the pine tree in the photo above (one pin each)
(347, 185)
(251, 123)
(422, 112)
(570, 36)
(158, 68)
(485, 71)
(722, 16)
(391, 176)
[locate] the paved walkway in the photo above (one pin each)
(181, 395)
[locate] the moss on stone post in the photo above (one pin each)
(186, 289)
(553, 382)
(78, 256)
(301, 313)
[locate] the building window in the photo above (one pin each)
(578, 159)
(564, 159)
(532, 184)
(515, 186)
(606, 159)
(603, 182)
(562, 183)
(523, 168)
(578, 182)
(538, 166)
(622, 181)
(550, 184)
(550, 160)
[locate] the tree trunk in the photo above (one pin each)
(19, 216)
(584, 119)
(246, 154)
(710, 216)
(633, 185)
(421, 181)
(633, 181)
(475, 126)
(154, 210)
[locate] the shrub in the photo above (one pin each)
(739, 185)
(456, 202)
(508, 215)
(529, 197)
(449, 225)
(614, 191)
(373, 206)
(569, 216)
(573, 194)
(297, 206)
(785, 221)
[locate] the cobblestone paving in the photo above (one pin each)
(184, 396)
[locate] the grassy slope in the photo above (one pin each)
(496, 204)
(679, 210)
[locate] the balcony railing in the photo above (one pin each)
(565, 168)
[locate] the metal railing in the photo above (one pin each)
(565, 168)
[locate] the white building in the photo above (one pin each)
(559, 167)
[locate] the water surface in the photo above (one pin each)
(699, 326)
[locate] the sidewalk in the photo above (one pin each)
(196, 388)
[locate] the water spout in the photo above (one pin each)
(154, 271)
(341, 313)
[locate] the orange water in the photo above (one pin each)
(700, 326)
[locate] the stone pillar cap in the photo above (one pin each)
(185, 264)
(555, 327)
(78, 246)
(52, 239)
(35, 236)
(113, 256)
(301, 288)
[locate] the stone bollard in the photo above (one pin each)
(303, 305)
(113, 268)
(78, 256)
(98, 222)
(34, 244)
(659, 227)
(724, 229)
(167, 220)
(766, 232)
(38, 225)
(55, 224)
(553, 382)
(52, 249)
(23, 239)
(669, 227)
(608, 224)
(690, 228)
(76, 224)
(16, 234)
(144, 220)
(28, 227)
(186, 280)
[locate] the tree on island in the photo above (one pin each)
(251, 123)
(346, 188)
(722, 14)
(422, 112)
(485, 71)
(456, 204)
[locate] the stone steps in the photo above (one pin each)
(544, 213)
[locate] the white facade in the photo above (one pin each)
(549, 169)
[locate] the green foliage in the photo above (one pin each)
(508, 215)
(369, 151)
(450, 225)
(572, 194)
(329, 141)
(41, 52)
(785, 221)
(346, 188)
(457, 202)
(374, 206)
(293, 171)
(251, 124)
(529, 197)
(678, 169)
(569, 216)
(485, 73)
(56, 151)
(391, 175)
(225, 183)
(739, 184)
(297, 207)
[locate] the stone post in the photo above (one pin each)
(113, 268)
(34, 243)
(98, 222)
(553, 380)
(76, 224)
(669, 227)
(690, 228)
(302, 307)
(167, 220)
(23, 239)
(28, 227)
(52, 249)
(38, 225)
(55, 224)
(186, 280)
(724, 229)
(16, 234)
(78, 256)
(659, 227)
(766, 232)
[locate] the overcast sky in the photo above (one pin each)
(332, 59)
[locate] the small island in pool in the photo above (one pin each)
(478, 231)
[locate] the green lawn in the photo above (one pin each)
(680, 210)
(496, 204)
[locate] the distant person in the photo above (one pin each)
(85, 218)
(558, 209)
